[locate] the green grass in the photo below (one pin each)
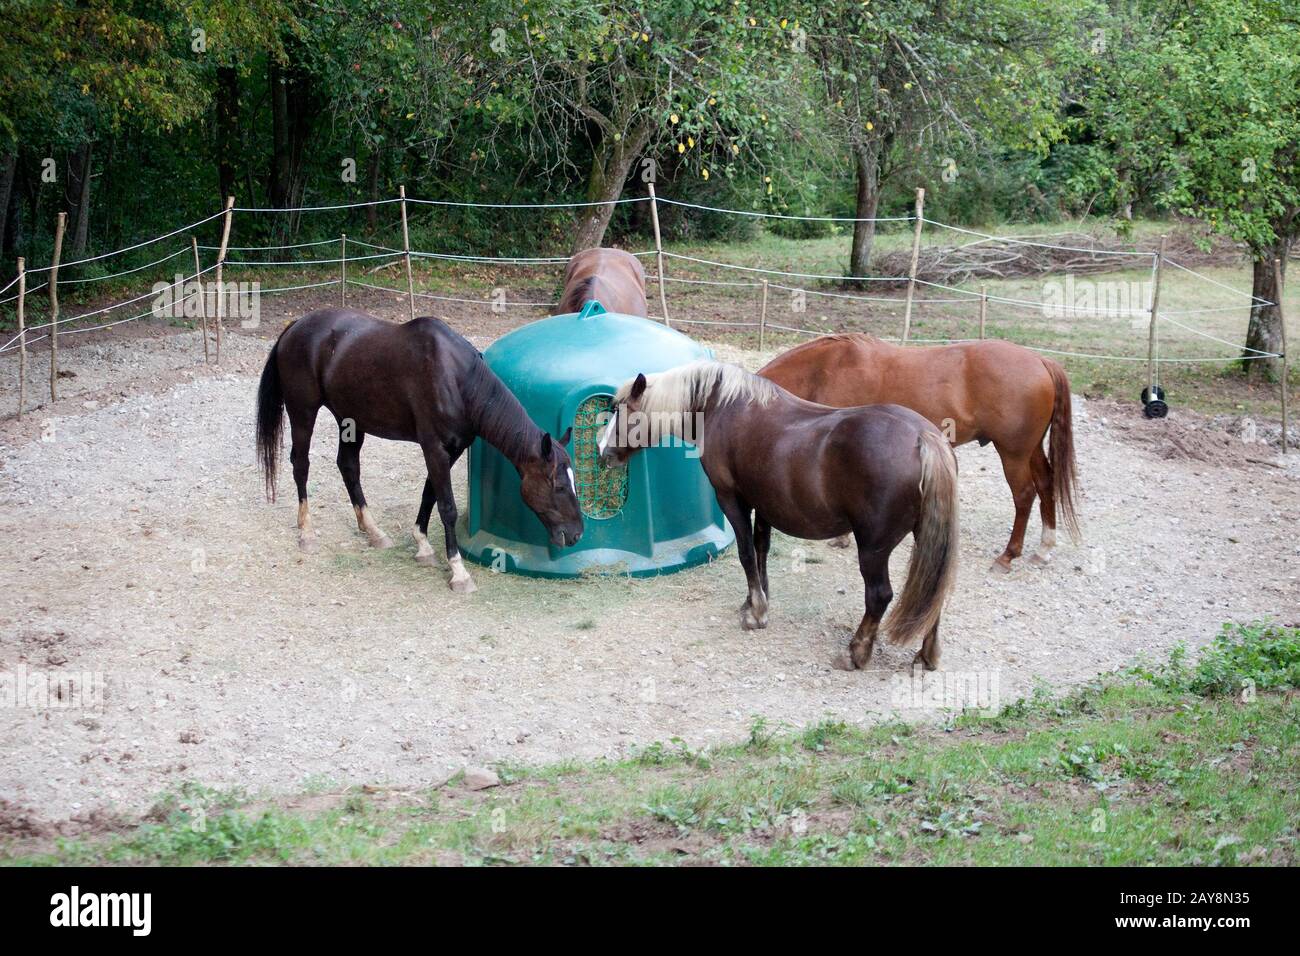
(1172, 765)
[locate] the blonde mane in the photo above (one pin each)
(688, 387)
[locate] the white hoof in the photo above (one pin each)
(463, 585)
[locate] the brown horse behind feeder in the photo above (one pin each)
(989, 391)
(611, 276)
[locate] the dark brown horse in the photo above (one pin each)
(418, 382)
(988, 391)
(812, 472)
(611, 276)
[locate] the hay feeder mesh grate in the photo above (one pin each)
(602, 490)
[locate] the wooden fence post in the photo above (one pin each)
(221, 261)
(659, 253)
(22, 334)
(54, 305)
(343, 270)
(203, 299)
(916, 255)
(1281, 321)
(406, 248)
(984, 308)
(1152, 377)
(762, 319)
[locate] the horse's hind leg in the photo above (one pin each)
(301, 425)
(1042, 472)
(424, 552)
(874, 565)
(349, 462)
(928, 655)
(1020, 479)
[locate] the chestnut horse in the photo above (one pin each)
(988, 391)
(811, 472)
(611, 276)
(420, 382)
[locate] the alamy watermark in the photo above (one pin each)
(1100, 298)
(193, 299)
(641, 429)
(42, 690)
(947, 690)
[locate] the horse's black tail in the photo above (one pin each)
(270, 420)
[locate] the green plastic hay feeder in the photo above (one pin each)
(655, 516)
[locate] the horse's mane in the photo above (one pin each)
(690, 386)
(846, 337)
(496, 414)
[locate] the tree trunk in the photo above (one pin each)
(228, 145)
(1265, 330)
(78, 199)
(291, 116)
(372, 192)
(867, 160)
(8, 166)
(610, 165)
(279, 184)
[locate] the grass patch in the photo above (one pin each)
(1172, 764)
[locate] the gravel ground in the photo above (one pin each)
(138, 546)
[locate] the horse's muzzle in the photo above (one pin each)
(565, 538)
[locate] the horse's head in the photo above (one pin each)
(546, 485)
(619, 440)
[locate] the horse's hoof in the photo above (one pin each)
(750, 622)
(1000, 567)
(381, 542)
(924, 662)
(308, 544)
(428, 560)
(843, 661)
(1039, 560)
(463, 585)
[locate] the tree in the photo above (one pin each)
(905, 80)
(1211, 104)
(703, 78)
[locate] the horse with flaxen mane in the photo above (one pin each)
(777, 461)
(987, 391)
(419, 381)
(611, 276)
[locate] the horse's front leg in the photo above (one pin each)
(423, 550)
(439, 465)
(753, 614)
(762, 544)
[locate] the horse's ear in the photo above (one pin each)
(638, 387)
(546, 446)
(568, 433)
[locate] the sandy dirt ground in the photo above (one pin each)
(138, 547)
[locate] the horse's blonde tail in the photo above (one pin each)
(933, 569)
